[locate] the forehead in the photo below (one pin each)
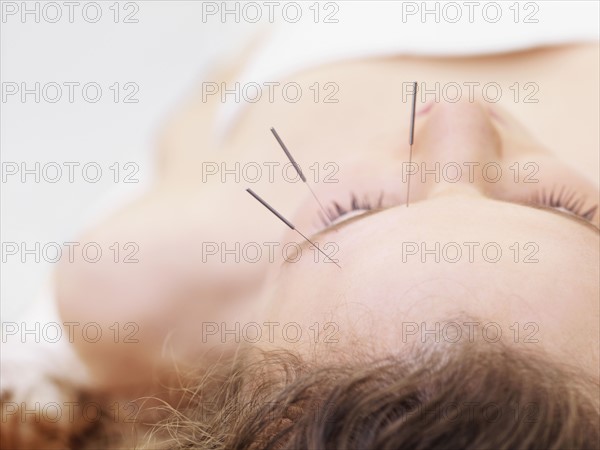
(506, 263)
(450, 222)
(477, 243)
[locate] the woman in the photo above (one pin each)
(462, 315)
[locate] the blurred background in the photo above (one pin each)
(162, 56)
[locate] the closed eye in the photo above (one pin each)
(564, 201)
(353, 220)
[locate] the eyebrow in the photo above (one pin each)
(573, 217)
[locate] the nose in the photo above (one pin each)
(453, 144)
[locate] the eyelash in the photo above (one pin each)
(335, 210)
(563, 199)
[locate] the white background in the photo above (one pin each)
(165, 54)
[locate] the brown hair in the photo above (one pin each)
(468, 396)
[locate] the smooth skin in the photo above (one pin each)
(176, 287)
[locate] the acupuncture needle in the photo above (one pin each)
(288, 223)
(300, 174)
(411, 138)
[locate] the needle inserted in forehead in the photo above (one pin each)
(297, 167)
(411, 139)
(288, 223)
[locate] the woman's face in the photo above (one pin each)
(496, 228)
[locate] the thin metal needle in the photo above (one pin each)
(315, 197)
(411, 139)
(297, 167)
(288, 223)
(315, 246)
